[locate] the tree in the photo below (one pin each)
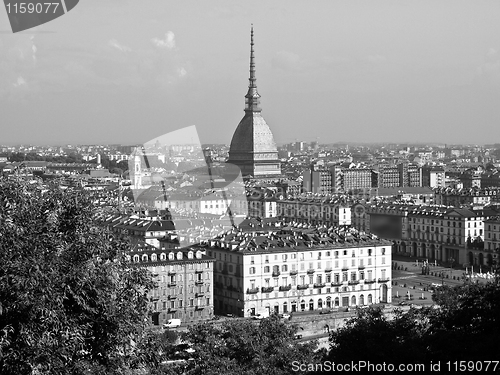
(70, 303)
(463, 326)
(247, 347)
(372, 336)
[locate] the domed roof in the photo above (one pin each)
(253, 134)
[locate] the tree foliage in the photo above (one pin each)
(69, 303)
(464, 325)
(245, 347)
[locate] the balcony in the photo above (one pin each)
(293, 272)
(172, 273)
(198, 282)
(267, 289)
(198, 271)
(370, 281)
(172, 297)
(199, 307)
(200, 294)
(353, 282)
(336, 283)
(361, 267)
(153, 299)
(345, 268)
(172, 284)
(383, 280)
(328, 269)
(285, 288)
(305, 286)
(276, 273)
(319, 285)
(171, 310)
(252, 290)
(311, 270)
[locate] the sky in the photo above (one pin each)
(123, 71)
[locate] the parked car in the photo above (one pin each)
(172, 323)
(286, 316)
(326, 311)
(258, 316)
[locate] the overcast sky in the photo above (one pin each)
(122, 71)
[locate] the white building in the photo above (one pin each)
(282, 268)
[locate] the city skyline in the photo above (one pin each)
(352, 72)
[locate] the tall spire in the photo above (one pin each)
(252, 98)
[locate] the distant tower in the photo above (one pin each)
(137, 169)
(98, 159)
(253, 148)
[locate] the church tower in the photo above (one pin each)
(253, 148)
(137, 169)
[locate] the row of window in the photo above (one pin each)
(179, 290)
(335, 278)
(311, 266)
(162, 257)
(179, 303)
(439, 222)
(302, 256)
(178, 278)
(310, 291)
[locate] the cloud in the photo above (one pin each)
(488, 73)
(492, 53)
(20, 82)
(376, 59)
(33, 48)
(168, 43)
(286, 60)
(114, 43)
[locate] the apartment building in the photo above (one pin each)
(474, 197)
(445, 234)
(489, 254)
(356, 178)
(184, 281)
(283, 267)
(315, 210)
(317, 181)
(433, 177)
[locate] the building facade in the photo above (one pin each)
(314, 210)
(284, 269)
(184, 281)
(433, 177)
(445, 234)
